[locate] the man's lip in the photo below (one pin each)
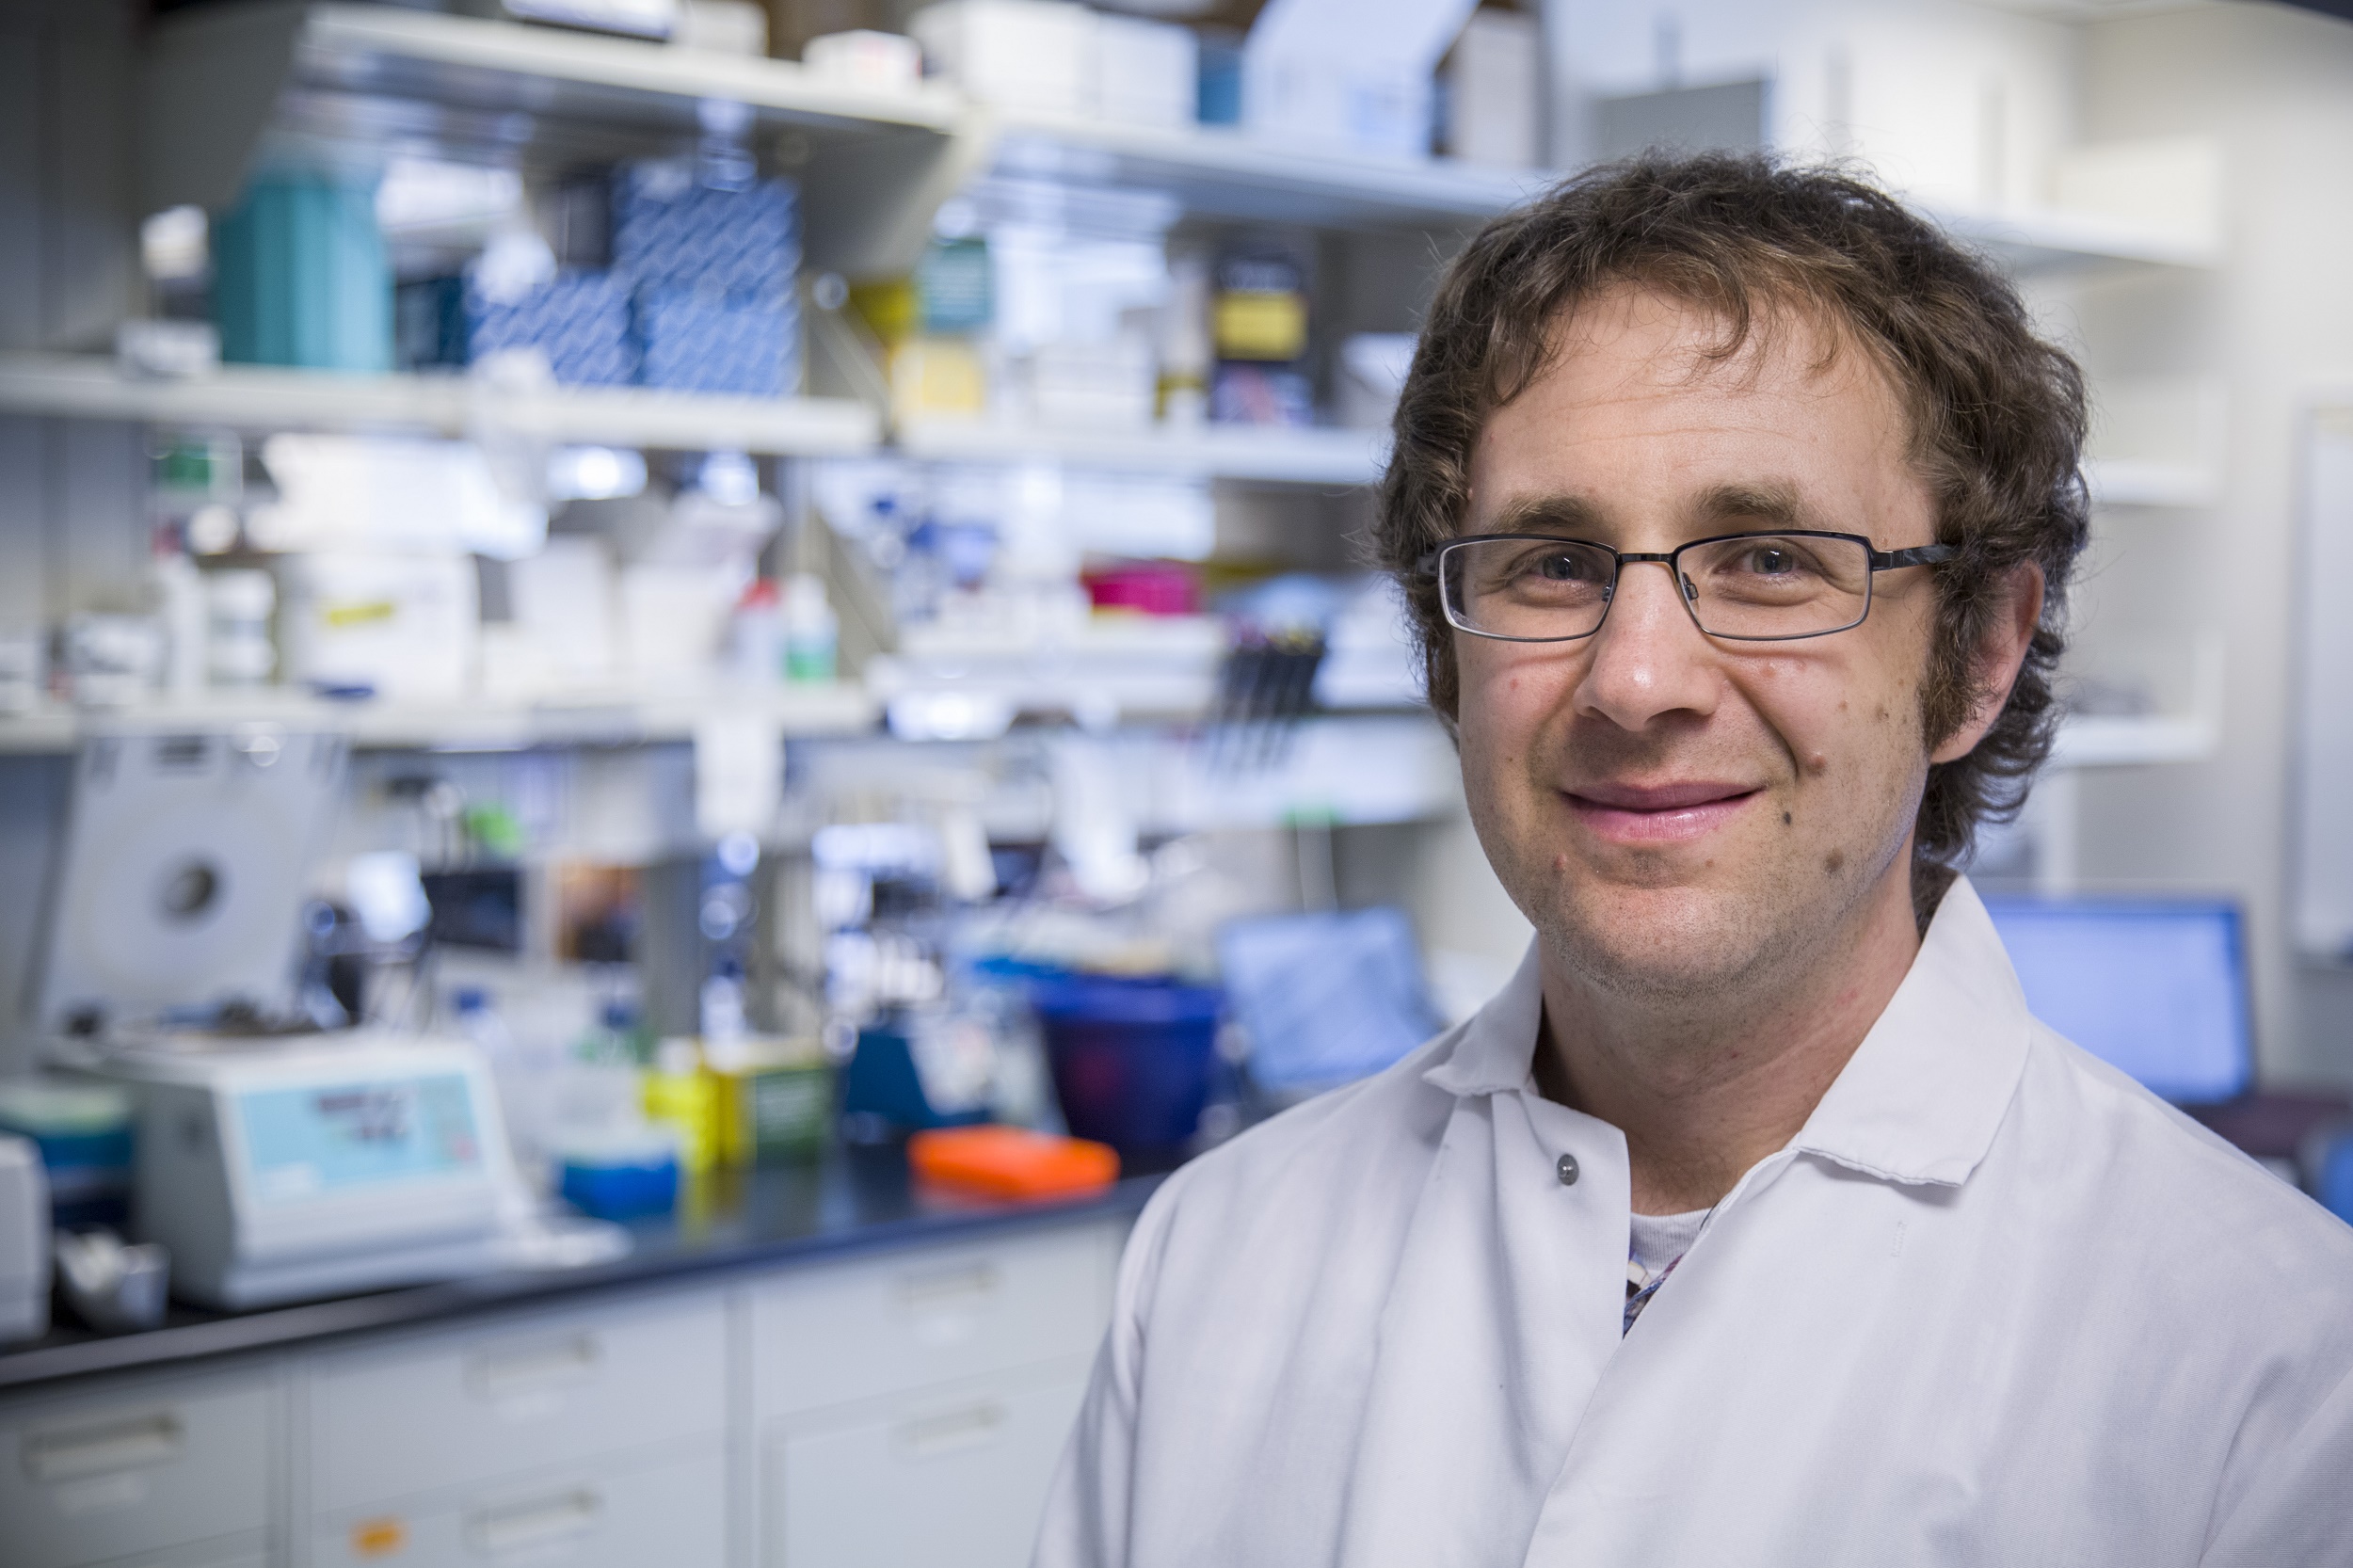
(1659, 798)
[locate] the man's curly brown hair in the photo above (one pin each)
(1996, 414)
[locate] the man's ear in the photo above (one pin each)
(2009, 631)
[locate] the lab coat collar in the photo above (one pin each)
(1495, 1051)
(1921, 1097)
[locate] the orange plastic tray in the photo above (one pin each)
(1011, 1162)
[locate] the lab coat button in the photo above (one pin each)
(1567, 1170)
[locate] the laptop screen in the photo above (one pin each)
(2157, 988)
(1326, 998)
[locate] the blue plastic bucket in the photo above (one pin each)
(1132, 1059)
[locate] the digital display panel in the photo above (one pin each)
(2156, 989)
(322, 1139)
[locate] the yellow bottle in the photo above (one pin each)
(678, 1092)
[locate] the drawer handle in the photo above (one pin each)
(954, 1287)
(56, 1456)
(960, 1429)
(495, 1532)
(543, 1369)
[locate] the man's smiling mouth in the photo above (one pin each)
(1658, 813)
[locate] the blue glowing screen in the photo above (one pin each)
(2157, 989)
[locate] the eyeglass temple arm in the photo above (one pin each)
(1918, 555)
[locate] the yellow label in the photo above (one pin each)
(379, 1537)
(937, 376)
(1254, 324)
(359, 613)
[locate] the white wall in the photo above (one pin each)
(2276, 87)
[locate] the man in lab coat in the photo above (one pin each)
(1755, 1221)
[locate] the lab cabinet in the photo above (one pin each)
(950, 1476)
(670, 1511)
(886, 1325)
(904, 1404)
(175, 1472)
(447, 1409)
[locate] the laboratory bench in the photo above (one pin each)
(830, 1365)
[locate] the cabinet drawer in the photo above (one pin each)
(125, 1472)
(953, 1478)
(522, 1394)
(672, 1513)
(833, 1334)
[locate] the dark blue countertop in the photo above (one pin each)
(858, 1199)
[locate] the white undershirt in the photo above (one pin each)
(1659, 1239)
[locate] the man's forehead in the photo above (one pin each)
(1769, 337)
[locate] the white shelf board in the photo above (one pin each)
(255, 398)
(1226, 172)
(2103, 740)
(1316, 456)
(2047, 240)
(484, 64)
(2134, 482)
(617, 718)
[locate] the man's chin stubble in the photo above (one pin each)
(1695, 960)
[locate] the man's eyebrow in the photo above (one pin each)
(1773, 505)
(1547, 514)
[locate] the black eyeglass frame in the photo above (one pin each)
(1881, 560)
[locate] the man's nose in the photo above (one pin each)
(1650, 657)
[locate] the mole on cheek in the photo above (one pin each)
(1817, 764)
(1835, 863)
(1785, 818)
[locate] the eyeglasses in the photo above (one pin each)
(1751, 587)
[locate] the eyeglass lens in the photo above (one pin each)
(1759, 585)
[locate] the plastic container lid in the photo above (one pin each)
(1115, 999)
(1011, 1162)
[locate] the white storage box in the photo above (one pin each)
(1492, 88)
(404, 625)
(1146, 72)
(1038, 55)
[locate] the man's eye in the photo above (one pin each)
(1773, 560)
(1564, 569)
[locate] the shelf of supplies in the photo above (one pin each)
(614, 719)
(2132, 482)
(247, 397)
(1223, 172)
(1316, 456)
(2047, 240)
(221, 82)
(2108, 739)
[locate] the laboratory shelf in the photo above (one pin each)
(614, 719)
(255, 398)
(2052, 240)
(218, 80)
(1316, 456)
(1224, 172)
(2135, 482)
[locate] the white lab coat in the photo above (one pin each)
(1994, 1305)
